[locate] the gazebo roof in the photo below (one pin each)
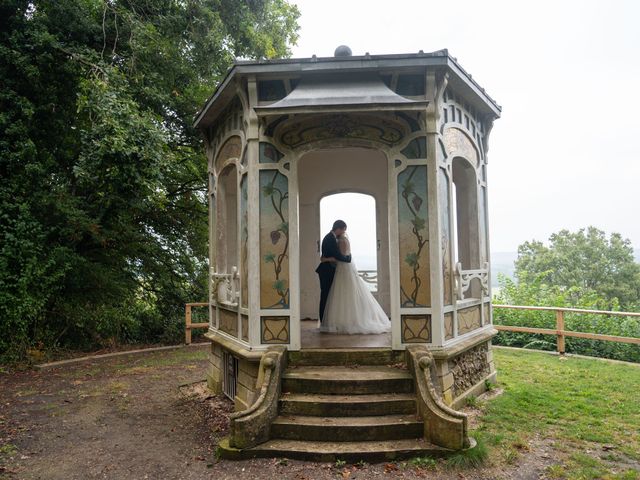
(324, 86)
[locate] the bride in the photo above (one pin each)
(351, 308)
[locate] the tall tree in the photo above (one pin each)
(583, 263)
(103, 227)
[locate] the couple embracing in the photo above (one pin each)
(346, 304)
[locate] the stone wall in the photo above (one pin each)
(469, 368)
(247, 376)
(214, 369)
(463, 369)
(246, 391)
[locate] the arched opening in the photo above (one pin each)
(355, 181)
(466, 238)
(360, 209)
(227, 220)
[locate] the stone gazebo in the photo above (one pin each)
(411, 130)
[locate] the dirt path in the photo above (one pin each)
(129, 418)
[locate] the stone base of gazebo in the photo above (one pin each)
(378, 403)
(466, 368)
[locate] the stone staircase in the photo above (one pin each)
(348, 405)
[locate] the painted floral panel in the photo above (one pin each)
(413, 230)
(274, 240)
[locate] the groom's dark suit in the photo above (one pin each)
(326, 270)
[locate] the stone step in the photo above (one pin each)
(346, 429)
(349, 381)
(347, 405)
(344, 357)
(368, 451)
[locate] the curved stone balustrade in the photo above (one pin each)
(443, 426)
(251, 427)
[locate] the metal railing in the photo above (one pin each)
(370, 277)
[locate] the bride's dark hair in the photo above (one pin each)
(339, 224)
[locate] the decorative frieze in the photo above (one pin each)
(388, 131)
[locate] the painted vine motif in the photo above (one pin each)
(274, 240)
(415, 288)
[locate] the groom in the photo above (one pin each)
(327, 268)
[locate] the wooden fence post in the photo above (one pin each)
(187, 320)
(560, 329)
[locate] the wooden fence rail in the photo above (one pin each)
(560, 331)
(187, 321)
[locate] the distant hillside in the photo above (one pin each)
(503, 262)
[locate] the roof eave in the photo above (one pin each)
(367, 107)
(346, 64)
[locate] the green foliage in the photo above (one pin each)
(426, 463)
(584, 263)
(472, 401)
(580, 270)
(474, 457)
(103, 225)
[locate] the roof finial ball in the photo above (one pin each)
(342, 51)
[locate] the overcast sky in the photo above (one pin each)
(566, 152)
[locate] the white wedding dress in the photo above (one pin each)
(351, 308)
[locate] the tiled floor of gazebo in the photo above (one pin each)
(312, 338)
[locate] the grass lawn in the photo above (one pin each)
(588, 410)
